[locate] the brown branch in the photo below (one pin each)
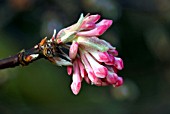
(9, 62)
(22, 58)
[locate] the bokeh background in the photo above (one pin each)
(140, 32)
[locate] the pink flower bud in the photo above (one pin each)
(106, 22)
(100, 56)
(76, 84)
(93, 59)
(91, 19)
(88, 68)
(75, 87)
(88, 26)
(73, 50)
(112, 78)
(69, 70)
(119, 82)
(118, 63)
(94, 32)
(82, 69)
(111, 60)
(99, 70)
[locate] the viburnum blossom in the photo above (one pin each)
(93, 59)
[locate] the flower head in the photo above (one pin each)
(93, 59)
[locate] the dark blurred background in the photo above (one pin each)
(140, 32)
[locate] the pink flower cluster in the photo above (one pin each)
(94, 60)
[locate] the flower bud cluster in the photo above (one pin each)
(93, 59)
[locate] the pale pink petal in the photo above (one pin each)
(99, 70)
(118, 63)
(88, 68)
(94, 32)
(100, 56)
(105, 22)
(69, 70)
(76, 84)
(73, 50)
